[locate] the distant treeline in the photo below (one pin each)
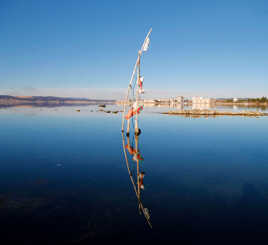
(260, 100)
(246, 100)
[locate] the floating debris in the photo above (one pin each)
(102, 105)
(108, 111)
(78, 110)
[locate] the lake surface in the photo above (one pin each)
(64, 179)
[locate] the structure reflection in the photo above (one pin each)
(132, 153)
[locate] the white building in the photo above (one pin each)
(168, 101)
(180, 99)
(202, 101)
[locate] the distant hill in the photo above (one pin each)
(8, 100)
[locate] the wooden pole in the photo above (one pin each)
(128, 127)
(137, 94)
(131, 80)
(127, 96)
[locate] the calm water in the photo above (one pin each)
(64, 180)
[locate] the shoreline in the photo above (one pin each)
(207, 113)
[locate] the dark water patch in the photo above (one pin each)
(63, 179)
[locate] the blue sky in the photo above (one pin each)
(88, 48)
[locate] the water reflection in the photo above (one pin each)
(177, 106)
(136, 174)
(202, 106)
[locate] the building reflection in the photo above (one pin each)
(203, 103)
(202, 106)
(177, 106)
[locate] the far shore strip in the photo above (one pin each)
(215, 113)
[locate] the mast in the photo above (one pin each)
(137, 130)
(127, 96)
(144, 48)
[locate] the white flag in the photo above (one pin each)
(135, 105)
(146, 44)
